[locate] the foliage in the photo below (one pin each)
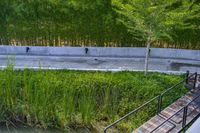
(70, 99)
(154, 20)
(95, 22)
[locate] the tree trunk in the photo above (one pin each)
(147, 58)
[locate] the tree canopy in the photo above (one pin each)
(168, 23)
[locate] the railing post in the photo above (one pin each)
(187, 76)
(184, 116)
(195, 80)
(159, 104)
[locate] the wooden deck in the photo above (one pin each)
(157, 124)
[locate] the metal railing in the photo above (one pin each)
(159, 98)
(184, 117)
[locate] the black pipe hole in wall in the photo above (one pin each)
(149, 50)
(86, 50)
(27, 49)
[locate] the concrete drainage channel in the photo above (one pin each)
(100, 58)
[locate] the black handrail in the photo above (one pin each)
(185, 108)
(193, 100)
(182, 81)
(189, 123)
(167, 120)
(174, 86)
(122, 118)
(159, 97)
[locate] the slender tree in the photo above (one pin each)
(151, 20)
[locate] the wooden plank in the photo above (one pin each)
(174, 125)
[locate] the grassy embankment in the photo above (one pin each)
(70, 99)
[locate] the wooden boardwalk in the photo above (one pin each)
(168, 120)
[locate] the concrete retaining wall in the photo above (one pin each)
(101, 51)
(99, 58)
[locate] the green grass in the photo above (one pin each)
(70, 99)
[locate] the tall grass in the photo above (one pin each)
(63, 99)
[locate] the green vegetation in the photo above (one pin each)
(153, 21)
(100, 22)
(70, 99)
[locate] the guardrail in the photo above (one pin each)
(184, 117)
(159, 98)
